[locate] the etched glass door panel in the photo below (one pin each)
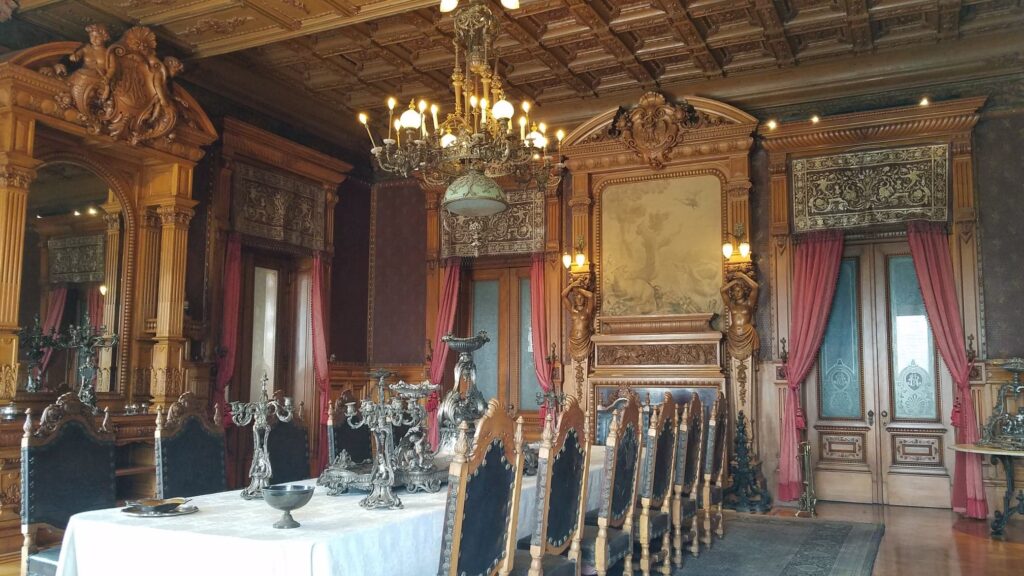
(486, 317)
(840, 375)
(528, 385)
(912, 357)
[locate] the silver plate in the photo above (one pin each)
(179, 511)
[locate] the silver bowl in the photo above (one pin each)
(462, 345)
(287, 497)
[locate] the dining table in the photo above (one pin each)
(229, 536)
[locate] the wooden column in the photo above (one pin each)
(110, 300)
(17, 170)
(167, 380)
(433, 195)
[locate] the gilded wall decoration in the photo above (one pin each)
(517, 230)
(123, 90)
(661, 247)
(875, 187)
(656, 126)
(77, 259)
(276, 206)
(657, 355)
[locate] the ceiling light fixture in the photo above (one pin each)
(77, 213)
(92, 211)
(477, 140)
(924, 101)
(772, 124)
(815, 119)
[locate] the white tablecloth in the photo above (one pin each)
(230, 536)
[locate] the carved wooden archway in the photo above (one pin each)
(112, 108)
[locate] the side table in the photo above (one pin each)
(1004, 457)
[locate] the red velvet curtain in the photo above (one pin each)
(539, 324)
(54, 314)
(229, 323)
(445, 321)
(815, 271)
(320, 367)
(930, 249)
(94, 306)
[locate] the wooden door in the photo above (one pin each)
(877, 397)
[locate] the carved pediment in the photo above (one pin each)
(122, 90)
(655, 126)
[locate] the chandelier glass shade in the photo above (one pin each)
(481, 138)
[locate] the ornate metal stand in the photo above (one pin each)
(256, 413)
(808, 500)
(87, 339)
(412, 463)
(1001, 517)
(35, 344)
(1003, 429)
(456, 407)
(748, 492)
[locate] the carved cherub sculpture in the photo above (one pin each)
(90, 84)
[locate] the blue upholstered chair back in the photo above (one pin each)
(483, 490)
(288, 449)
(189, 451)
(688, 444)
(622, 457)
(604, 419)
(715, 439)
(67, 465)
(560, 474)
(660, 448)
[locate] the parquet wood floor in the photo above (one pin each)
(931, 542)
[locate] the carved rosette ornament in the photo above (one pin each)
(122, 90)
(656, 126)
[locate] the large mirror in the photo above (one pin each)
(70, 306)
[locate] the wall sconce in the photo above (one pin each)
(729, 248)
(103, 289)
(580, 259)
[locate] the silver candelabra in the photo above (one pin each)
(256, 413)
(381, 417)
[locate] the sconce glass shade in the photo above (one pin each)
(581, 259)
(566, 260)
(744, 249)
(103, 289)
(474, 195)
(727, 250)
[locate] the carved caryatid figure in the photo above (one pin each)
(740, 297)
(580, 303)
(124, 89)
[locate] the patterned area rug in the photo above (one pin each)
(773, 546)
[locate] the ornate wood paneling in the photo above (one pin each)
(842, 447)
(917, 450)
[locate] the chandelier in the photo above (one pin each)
(481, 139)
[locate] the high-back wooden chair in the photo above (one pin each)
(609, 539)
(684, 478)
(714, 469)
(189, 449)
(563, 461)
(657, 466)
(355, 442)
(484, 486)
(67, 467)
(604, 418)
(288, 448)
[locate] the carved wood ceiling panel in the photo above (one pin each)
(347, 55)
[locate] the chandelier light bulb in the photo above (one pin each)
(526, 107)
(392, 103)
(447, 140)
(473, 102)
(543, 128)
(560, 135)
(744, 249)
(449, 5)
(363, 118)
(510, 4)
(422, 106)
(411, 119)
(483, 109)
(727, 250)
(503, 110)
(522, 127)
(537, 140)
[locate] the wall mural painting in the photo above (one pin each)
(661, 247)
(873, 187)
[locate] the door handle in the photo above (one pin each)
(871, 417)
(885, 417)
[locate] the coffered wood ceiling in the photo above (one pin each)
(317, 62)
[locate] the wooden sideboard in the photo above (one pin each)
(136, 471)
